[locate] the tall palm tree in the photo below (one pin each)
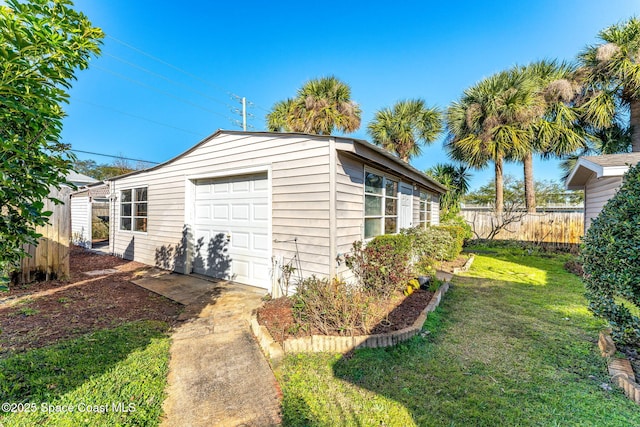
(490, 124)
(555, 125)
(611, 78)
(278, 118)
(320, 107)
(404, 128)
(456, 178)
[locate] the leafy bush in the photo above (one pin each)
(457, 233)
(431, 242)
(611, 260)
(467, 233)
(334, 307)
(383, 266)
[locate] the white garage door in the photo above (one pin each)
(231, 229)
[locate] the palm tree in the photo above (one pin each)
(278, 118)
(490, 124)
(405, 127)
(320, 107)
(555, 128)
(611, 78)
(456, 178)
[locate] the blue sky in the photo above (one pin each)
(169, 72)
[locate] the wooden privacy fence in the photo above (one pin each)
(51, 257)
(558, 228)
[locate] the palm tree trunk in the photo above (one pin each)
(529, 186)
(634, 106)
(499, 186)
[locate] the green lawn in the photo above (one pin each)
(112, 377)
(511, 344)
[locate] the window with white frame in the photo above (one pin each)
(425, 208)
(133, 209)
(380, 205)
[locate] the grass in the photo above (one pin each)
(112, 377)
(511, 344)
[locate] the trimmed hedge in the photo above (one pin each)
(611, 260)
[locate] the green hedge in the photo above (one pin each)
(611, 260)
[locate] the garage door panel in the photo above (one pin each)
(232, 217)
(260, 212)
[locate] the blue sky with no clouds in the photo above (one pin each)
(170, 72)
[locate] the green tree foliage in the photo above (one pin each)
(106, 171)
(548, 193)
(456, 178)
(321, 106)
(404, 128)
(611, 260)
(610, 75)
(42, 44)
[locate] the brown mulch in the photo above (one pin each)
(277, 316)
(42, 313)
(574, 267)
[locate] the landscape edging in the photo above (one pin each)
(620, 369)
(340, 344)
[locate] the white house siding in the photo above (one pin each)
(81, 220)
(300, 197)
(597, 192)
(349, 207)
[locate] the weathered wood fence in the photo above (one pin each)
(51, 257)
(559, 228)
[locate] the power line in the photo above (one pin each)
(153, 73)
(168, 64)
(112, 156)
(137, 117)
(139, 83)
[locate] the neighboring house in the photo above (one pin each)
(83, 204)
(79, 180)
(240, 205)
(600, 177)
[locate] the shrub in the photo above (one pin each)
(334, 307)
(383, 266)
(431, 242)
(467, 233)
(611, 260)
(457, 233)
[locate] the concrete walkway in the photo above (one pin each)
(217, 373)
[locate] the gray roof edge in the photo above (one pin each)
(240, 132)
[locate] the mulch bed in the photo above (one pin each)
(47, 312)
(459, 262)
(277, 316)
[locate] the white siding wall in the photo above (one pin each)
(597, 192)
(349, 207)
(300, 198)
(81, 221)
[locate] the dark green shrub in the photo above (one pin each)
(383, 266)
(334, 307)
(430, 242)
(611, 260)
(457, 233)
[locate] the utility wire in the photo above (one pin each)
(160, 76)
(137, 117)
(139, 83)
(112, 156)
(193, 76)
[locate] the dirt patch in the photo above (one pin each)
(459, 262)
(574, 267)
(38, 314)
(277, 316)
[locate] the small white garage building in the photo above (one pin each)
(600, 177)
(239, 205)
(83, 202)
